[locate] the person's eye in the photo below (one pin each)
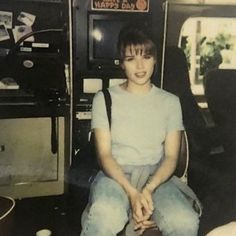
(147, 56)
(129, 59)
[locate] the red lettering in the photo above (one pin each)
(132, 6)
(109, 5)
(126, 6)
(113, 4)
(97, 4)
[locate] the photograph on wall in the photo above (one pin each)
(21, 30)
(6, 19)
(3, 33)
(26, 18)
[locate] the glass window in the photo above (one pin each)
(208, 43)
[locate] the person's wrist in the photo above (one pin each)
(131, 192)
(150, 186)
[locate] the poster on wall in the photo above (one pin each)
(121, 5)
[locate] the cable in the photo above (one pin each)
(13, 205)
(22, 39)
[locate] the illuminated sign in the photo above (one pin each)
(121, 5)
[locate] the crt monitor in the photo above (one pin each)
(103, 34)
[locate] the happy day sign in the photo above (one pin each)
(121, 5)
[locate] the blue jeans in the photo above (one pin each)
(108, 208)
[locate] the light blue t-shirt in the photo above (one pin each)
(139, 123)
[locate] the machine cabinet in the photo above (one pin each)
(28, 167)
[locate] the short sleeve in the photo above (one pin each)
(99, 115)
(175, 118)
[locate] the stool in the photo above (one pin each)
(7, 205)
(148, 232)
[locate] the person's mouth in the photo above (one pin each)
(140, 74)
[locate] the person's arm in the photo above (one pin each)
(112, 169)
(108, 164)
(168, 165)
(163, 173)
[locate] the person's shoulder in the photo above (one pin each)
(98, 98)
(165, 94)
(98, 95)
(115, 89)
(112, 90)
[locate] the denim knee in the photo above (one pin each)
(107, 211)
(104, 219)
(173, 212)
(183, 223)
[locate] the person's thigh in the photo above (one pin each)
(106, 188)
(173, 213)
(107, 210)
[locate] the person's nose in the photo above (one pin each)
(139, 63)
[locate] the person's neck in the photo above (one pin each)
(136, 88)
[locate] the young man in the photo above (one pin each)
(138, 156)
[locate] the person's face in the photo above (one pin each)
(137, 65)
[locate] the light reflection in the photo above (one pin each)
(97, 34)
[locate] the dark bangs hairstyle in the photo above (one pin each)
(133, 36)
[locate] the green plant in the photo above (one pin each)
(210, 56)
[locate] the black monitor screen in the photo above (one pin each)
(103, 36)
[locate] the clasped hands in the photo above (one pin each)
(142, 209)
